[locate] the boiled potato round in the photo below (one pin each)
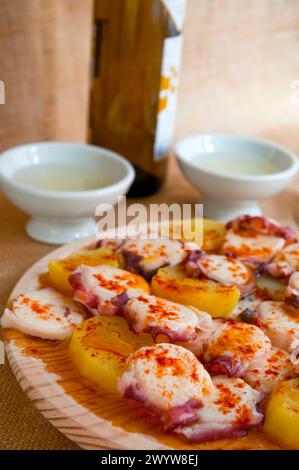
(172, 283)
(213, 232)
(61, 269)
(282, 414)
(213, 235)
(100, 346)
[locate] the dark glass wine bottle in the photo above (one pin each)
(137, 49)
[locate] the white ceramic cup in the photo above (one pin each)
(227, 195)
(63, 216)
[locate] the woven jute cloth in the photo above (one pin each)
(21, 425)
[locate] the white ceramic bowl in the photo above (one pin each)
(63, 216)
(228, 195)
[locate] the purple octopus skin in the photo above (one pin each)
(225, 365)
(131, 260)
(180, 415)
(133, 391)
(288, 233)
(100, 243)
(248, 316)
(75, 281)
(254, 263)
(191, 266)
(120, 299)
(92, 301)
(228, 431)
(118, 302)
(176, 416)
(292, 301)
(132, 264)
(66, 312)
(172, 335)
(107, 242)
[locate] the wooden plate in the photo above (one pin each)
(76, 406)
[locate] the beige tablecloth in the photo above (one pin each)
(21, 426)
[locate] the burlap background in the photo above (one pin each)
(21, 425)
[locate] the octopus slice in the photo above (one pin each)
(145, 257)
(285, 263)
(252, 249)
(229, 411)
(44, 313)
(105, 289)
(276, 367)
(261, 225)
(223, 269)
(279, 323)
(168, 380)
(165, 319)
(230, 347)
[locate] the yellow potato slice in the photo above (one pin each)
(99, 348)
(282, 414)
(271, 287)
(60, 270)
(213, 232)
(213, 235)
(172, 283)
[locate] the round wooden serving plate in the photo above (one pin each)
(78, 407)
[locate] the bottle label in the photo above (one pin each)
(168, 96)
